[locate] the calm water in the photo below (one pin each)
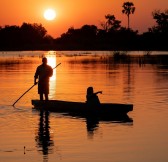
(28, 135)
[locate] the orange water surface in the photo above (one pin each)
(29, 135)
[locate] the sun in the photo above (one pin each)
(49, 14)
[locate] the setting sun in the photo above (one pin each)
(49, 14)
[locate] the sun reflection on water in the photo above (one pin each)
(51, 57)
(52, 62)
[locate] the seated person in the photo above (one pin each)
(91, 97)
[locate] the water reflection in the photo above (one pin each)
(44, 139)
(128, 81)
(92, 124)
(92, 121)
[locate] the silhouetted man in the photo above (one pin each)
(43, 74)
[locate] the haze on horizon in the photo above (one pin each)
(76, 13)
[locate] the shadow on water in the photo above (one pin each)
(44, 139)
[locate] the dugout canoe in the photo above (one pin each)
(82, 107)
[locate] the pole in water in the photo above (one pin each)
(23, 94)
(29, 90)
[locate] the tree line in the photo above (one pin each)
(110, 36)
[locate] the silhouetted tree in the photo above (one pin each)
(161, 19)
(90, 30)
(155, 38)
(33, 33)
(82, 38)
(128, 8)
(28, 36)
(111, 23)
(9, 36)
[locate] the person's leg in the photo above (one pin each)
(46, 96)
(41, 97)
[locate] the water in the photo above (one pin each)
(28, 135)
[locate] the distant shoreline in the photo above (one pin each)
(105, 57)
(18, 50)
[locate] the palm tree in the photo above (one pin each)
(128, 8)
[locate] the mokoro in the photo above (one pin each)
(82, 107)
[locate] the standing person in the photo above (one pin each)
(91, 96)
(43, 74)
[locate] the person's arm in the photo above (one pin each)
(49, 72)
(36, 76)
(98, 92)
(35, 82)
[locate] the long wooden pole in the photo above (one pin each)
(29, 89)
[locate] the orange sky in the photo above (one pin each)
(77, 13)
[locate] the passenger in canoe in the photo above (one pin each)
(91, 97)
(43, 74)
